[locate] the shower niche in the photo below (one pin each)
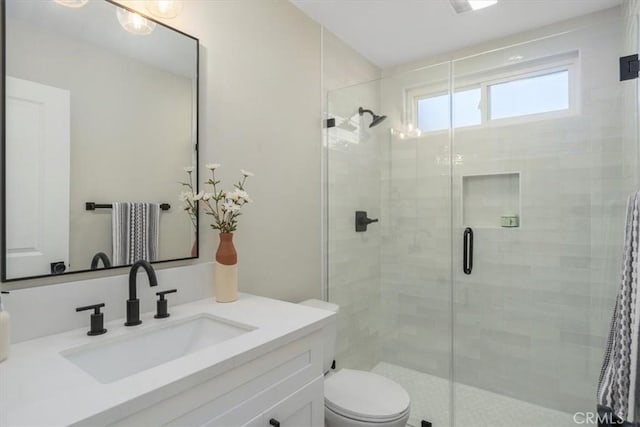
(491, 200)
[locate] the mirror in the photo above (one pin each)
(101, 108)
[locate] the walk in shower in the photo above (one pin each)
(499, 180)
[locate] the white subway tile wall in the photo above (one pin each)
(354, 258)
(530, 322)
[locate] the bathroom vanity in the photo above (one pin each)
(254, 362)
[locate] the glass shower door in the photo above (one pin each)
(544, 155)
(392, 281)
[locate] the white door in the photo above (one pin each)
(37, 168)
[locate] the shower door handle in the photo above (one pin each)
(467, 251)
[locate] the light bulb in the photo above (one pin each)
(481, 4)
(134, 23)
(164, 8)
(72, 3)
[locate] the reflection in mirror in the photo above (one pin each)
(101, 119)
(100, 256)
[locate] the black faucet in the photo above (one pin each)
(133, 303)
(100, 256)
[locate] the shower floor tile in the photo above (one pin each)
(474, 407)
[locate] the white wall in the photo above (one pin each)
(260, 111)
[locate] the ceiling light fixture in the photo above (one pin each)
(462, 6)
(71, 3)
(164, 8)
(134, 23)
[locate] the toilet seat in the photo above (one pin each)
(365, 396)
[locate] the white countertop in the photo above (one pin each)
(40, 387)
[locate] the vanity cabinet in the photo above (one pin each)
(269, 374)
(282, 387)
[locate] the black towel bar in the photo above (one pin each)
(92, 206)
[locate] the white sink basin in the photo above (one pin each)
(112, 359)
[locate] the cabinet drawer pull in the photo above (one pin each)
(274, 422)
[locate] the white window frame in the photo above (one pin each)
(569, 62)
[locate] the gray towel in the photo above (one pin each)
(618, 386)
(134, 228)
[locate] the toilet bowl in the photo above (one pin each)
(361, 398)
(356, 398)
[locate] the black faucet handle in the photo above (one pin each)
(161, 294)
(97, 318)
(95, 307)
(162, 304)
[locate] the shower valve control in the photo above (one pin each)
(362, 220)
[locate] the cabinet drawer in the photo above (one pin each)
(254, 386)
(304, 408)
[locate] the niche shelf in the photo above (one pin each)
(487, 198)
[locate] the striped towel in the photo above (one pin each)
(134, 228)
(618, 386)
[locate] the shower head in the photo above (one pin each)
(376, 118)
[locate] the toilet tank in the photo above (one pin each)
(329, 331)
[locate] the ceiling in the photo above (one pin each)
(393, 32)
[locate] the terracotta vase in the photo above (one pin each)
(226, 269)
(194, 248)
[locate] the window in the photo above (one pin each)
(432, 113)
(542, 89)
(530, 95)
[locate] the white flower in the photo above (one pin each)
(230, 207)
(198, 196)
(213, 166)
(207, 196)
(245, 173)
(232, 195)
(188, 169)
(185, 195)
(242, 194)
(241, 197)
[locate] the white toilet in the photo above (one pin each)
(358, 398)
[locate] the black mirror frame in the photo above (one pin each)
(3, 177)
